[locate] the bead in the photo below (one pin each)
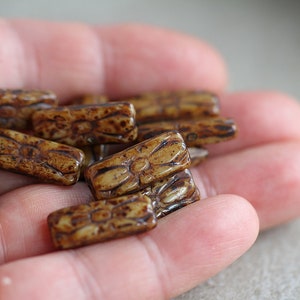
(158, 106)
(194, 132)
(172, 193)
(17, 106)
(100, 221)
(48, 161)
(87, 124)
(138, 166)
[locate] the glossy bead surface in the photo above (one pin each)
(138, 166)
(48, 161)
(100, 221)
(87, 124)
(17, 106)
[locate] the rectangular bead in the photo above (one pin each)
(84, 125)
(48, 161)
(17, 106)
(172, 193)
(194, 132)
(158, 106)
(133, 168)
(100, 221)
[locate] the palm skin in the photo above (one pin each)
(248, 184)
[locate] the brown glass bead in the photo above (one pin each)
(172, 193)
(100, 221)
(17, 106)
(194, 132)
(158, 106)
(87, 124)
(48, 161)
(138, 166)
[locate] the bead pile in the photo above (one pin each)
(133, 153)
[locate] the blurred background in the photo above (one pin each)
(260, 40)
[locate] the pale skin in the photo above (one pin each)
(250, 184)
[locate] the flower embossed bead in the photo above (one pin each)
(158, 106)
(82, 125)
(194, 132)
(172, 193)
(48, 161)
(138, 166)
(17, 106)
(100, 221)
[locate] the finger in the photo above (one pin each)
(186, 248)
(74, 58)
(268, 176)
(23, 213)
(261, 118)
(10, 181)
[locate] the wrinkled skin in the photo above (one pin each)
(249, 183)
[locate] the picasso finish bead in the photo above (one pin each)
(17, 106)
(172, 193)
(138, 166)
(48, 161)
(194, 132)
(100, 221)
(184, 105)
(87, 124)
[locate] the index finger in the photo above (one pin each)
(119, 60)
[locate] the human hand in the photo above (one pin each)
(260, 167)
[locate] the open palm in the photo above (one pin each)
(249, 183)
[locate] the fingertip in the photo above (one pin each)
(165, 58)
(260, 99)
(218, 220)
(186, 248)
(205, 238)
(261, 117)
(118, 60)
(238, 213)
